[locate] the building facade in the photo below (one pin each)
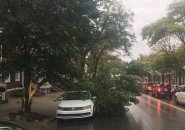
(13, 81)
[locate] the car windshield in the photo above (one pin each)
(77, 95)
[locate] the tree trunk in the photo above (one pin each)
(180, 80)
(95, 65)
(176, 77)
(162, 78)
(169, 78)
(27, 80)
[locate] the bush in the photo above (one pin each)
(112, 104)
(114, 92)
(18, 93)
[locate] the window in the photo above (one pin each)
(183, 89)
(7, 79)
(17, 76)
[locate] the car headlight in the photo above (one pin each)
(87, 107)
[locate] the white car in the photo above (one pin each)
(180, 94)
(75, 104)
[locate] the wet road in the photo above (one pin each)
(154, 114)
(100, 123)
(149, 114)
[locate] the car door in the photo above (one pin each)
(183, 95)
(179, 94)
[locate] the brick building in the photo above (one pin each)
(13, 81)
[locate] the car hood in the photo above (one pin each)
(75, 103)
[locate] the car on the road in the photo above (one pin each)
(76, 104)
(179, 96)
(149, 87)
(162, 90)
(9, 126)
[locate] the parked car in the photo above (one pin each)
(149, 87)
(179, 96)
(162, 90)
(9, 126)
(174, 88)
(75, 104)
(3, 93)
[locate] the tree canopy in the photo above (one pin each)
(46, 39)
(171, 26)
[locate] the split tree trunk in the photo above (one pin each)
(27, 80)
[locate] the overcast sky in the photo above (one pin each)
(146, 12)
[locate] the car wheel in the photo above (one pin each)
(6, 100)
(176, 101)
(94, 111)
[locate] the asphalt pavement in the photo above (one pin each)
(46, 105)
(149, 114)
(158, 114)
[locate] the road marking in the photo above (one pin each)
(171, 105)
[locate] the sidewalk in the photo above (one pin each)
(6, 108)
(43, 105)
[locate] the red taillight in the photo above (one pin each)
(159, 90)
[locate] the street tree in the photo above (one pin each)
(172, 26)
(177, 15)
(165, 33)
(41, 38)
(114, 86)
(113, 31)
(137, 68)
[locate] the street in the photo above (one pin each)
(149, 114)
(92, 64)
(154, 114)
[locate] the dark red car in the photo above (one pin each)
(162, 91)
(149, 87)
